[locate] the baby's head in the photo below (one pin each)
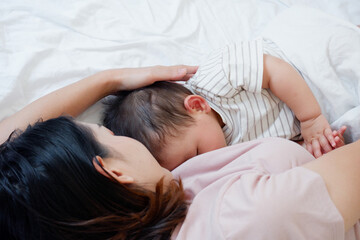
(171, 122)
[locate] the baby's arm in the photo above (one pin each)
(288, 85)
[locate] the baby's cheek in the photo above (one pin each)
(215, 144)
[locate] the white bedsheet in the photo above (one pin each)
(45, 44)
(326, 50)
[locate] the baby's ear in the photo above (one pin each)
(196, 103)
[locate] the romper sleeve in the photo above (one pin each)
(233, 68)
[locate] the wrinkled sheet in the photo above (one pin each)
(326, 51)
(45, 45)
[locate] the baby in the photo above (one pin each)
(241, 92)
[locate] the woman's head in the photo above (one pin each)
(128, 160)
(53, 187)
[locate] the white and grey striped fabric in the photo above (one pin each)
(230, 79)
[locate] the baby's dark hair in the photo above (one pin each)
(148, 114)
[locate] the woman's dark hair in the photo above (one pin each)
(149, 114)
(50, 189)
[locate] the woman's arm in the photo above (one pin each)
(288, 85)
(77, 97)
(340, 170)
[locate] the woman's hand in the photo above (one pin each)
(132, 78)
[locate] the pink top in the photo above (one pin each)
(255, 190)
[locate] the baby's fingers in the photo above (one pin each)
(324, 143)
(330, 138)
(339, 142)
(338, 136)
(341, 131)
(309, 148)
(316, 148)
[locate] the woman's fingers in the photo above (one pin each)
(191, 69)
(187, 77)
(133, 78)
(185, 72)
(174, 73)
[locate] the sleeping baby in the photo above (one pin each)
(253, 89)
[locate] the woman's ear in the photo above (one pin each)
(98, 163)
(121, 178)
(196, 103)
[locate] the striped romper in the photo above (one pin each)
(230, 79)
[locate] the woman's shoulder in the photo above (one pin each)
(266, 196)
(270, 154)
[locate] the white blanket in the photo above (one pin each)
(45, 44)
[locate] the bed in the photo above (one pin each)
(48, 44)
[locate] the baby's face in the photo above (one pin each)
(204, 135)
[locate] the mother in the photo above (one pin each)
(66, 180)
(61, 179)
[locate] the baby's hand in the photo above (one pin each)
(318, 136)
(338, 137)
